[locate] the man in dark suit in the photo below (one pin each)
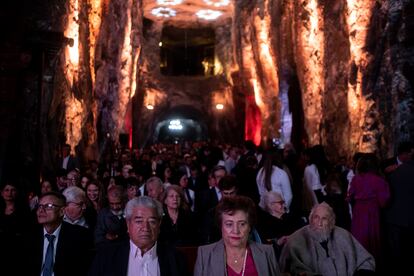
(57, 248)
(68, 161)
(400, 219)
(142, 254)
(405, 153)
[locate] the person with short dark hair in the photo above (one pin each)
(235, 254)
(142, 254)
(111, 225)
(57, 247)
(405, 153)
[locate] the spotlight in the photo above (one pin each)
(219, 106)
(160, 44)
(175, 125)
(208, 14)
(150, 107)
(164, 12)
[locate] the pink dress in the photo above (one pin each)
(250, 267)
(368, 194)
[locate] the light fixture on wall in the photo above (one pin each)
(208, 14)
(217, 3)
(220, 106)
(169, 2)
(164, 12)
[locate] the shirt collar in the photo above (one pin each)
(136, 252)
(55, 233)
(81, 221)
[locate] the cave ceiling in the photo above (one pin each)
(186, 12)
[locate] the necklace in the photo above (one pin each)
(244, 263)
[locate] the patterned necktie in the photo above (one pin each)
(48, 265)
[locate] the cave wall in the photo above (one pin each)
(348, 62)
(353, 60)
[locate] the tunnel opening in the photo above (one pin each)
(182, 123)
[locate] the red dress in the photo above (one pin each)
(250, 269)
(368, 194)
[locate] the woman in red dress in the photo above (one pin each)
(368, 194)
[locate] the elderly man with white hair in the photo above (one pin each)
(142, 254)
(75, 206)
(321, 248)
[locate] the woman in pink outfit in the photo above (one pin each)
(368, 194)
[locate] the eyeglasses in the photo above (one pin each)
(48, 206)
(77, 204)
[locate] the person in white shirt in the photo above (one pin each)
(273, 178)
(142, 254)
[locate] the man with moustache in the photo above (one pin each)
(142, 254)
(321, 248)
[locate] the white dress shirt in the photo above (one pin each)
(65, 162)
(46, 244)
(280, 184)
(146, 265)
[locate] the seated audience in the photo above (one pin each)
(94, 193)
(141, 254)
(321, 248)
(189, 195)
(209, 230)
(56, 248)
(111, 225)
(75, 210)
(234, 254)
(154, 187)
(177, 226)
(14, 225)
(274, 224)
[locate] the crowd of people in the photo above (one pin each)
(249, 211)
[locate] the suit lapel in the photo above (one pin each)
(123, 258)
(218, 259)
(259, 257)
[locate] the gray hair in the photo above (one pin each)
(156, 180)
(268, 196)
(143, 201)
(74, 194)
(328, 208)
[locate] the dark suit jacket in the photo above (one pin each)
(400, 210)
(73, 163)
(112, 260)
(205, 200)
(73, 251)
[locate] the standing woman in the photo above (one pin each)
(368, 194)
(271, 177)
(234, 254)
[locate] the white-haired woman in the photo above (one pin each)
(275, 224)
